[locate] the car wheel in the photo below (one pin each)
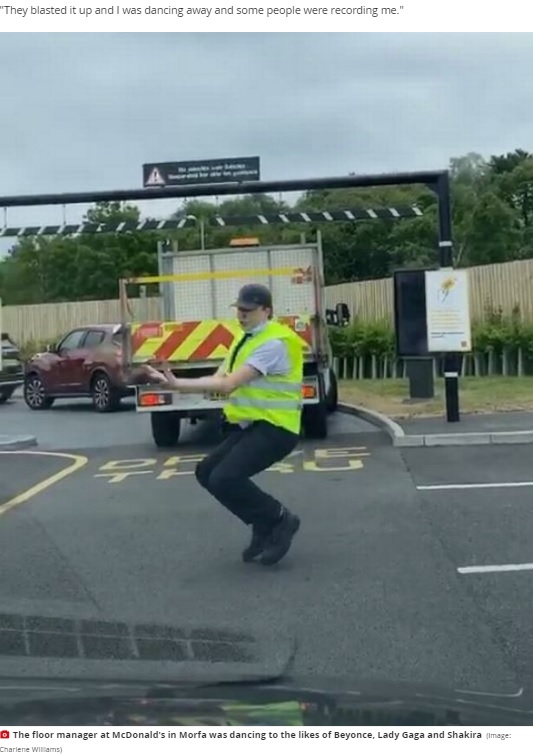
(35, 395)
(104, 395)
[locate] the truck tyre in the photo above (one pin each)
(315, 416)
(333, 394)
(165, 428)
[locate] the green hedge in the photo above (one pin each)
(30, 348)
(501, 345)
(363, 339)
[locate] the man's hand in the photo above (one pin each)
(164, 376)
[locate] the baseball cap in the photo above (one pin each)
(252, 296)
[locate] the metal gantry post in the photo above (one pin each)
(451, 360)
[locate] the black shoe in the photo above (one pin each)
(280, 539)
(257, 545)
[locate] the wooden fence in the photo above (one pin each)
(46, 322)
(507, 285)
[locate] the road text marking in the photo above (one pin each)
(324, 460)
(496, 568)
(78, 461)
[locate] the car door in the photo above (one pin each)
(94, 338)
(68, 367)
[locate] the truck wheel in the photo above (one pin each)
(315, 421)
(165, 428)
(333, 394)
(315, 416)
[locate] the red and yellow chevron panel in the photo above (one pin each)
(300, 324)
(197, 340)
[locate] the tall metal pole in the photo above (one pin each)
(451, 360)
(445, 221)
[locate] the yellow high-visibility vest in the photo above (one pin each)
(275, 399)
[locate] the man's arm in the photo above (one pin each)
(217, 383)
(269, 358)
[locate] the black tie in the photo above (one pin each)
(237, 350)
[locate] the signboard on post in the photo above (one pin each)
(222, 171)
(410, 313)
(411, 331)
(448, 311)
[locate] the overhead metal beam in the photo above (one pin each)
(429, 178)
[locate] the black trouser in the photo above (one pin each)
(244, 453)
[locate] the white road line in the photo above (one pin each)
(461, 486)
(496, 568)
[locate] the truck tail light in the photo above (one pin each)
(308, 392)
(153, 399)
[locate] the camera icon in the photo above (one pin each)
(4, 733)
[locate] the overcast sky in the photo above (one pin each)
(85, 111)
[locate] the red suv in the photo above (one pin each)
(87, 362)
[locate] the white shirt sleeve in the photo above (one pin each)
(271, 358)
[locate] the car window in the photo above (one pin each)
(118, 336)
(93, 338)
(72, 340)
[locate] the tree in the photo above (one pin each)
(515, 187)
(493, 234)
(470, 170)
(113, 212)
(72, 268)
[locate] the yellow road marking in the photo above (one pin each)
(78, 461)
(119, 470)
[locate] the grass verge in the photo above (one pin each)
(476, 395)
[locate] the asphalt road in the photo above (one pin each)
(477, 504)
(373, 588)
(74, 425)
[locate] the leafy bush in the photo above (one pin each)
(30, 348)
(497, 333)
